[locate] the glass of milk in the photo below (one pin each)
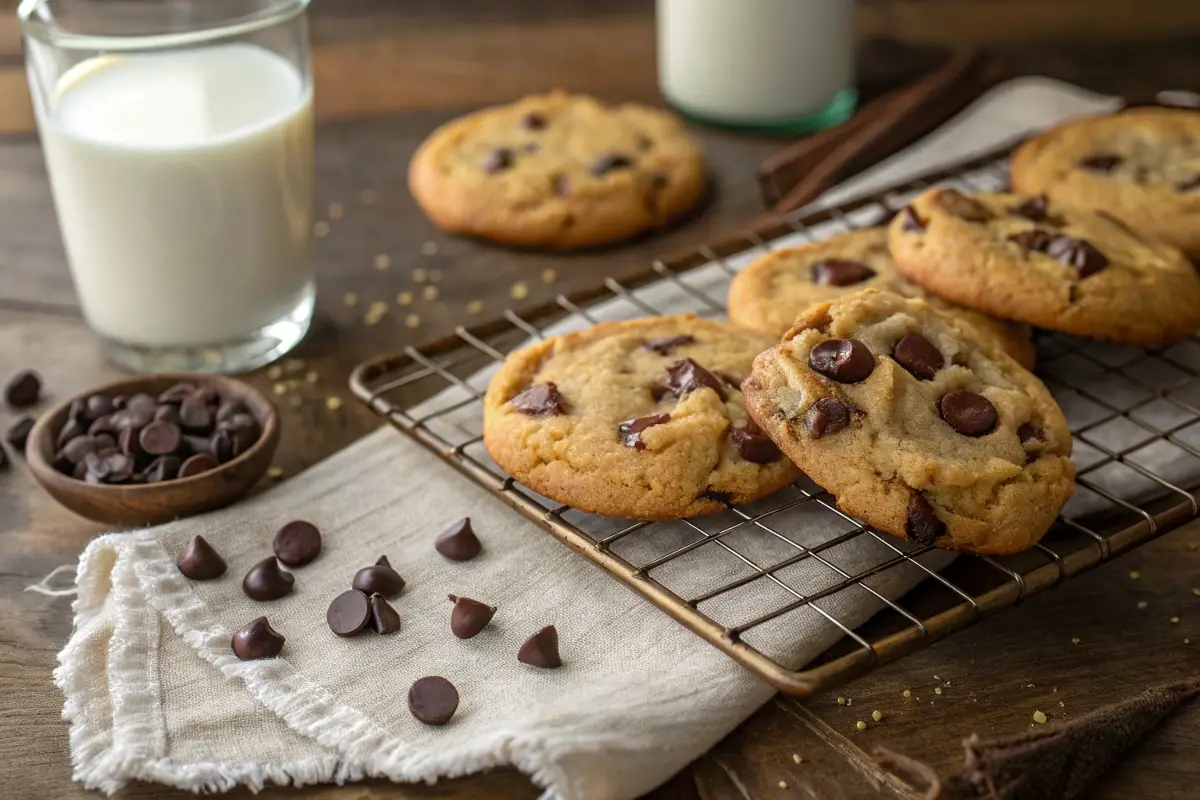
(782, 66)
(179, 143)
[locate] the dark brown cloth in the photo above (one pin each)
(1051, 762)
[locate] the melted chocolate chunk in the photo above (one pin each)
(538, 399)
(499, 160)
(533, 121)
(921, 524)
(1035, 209)
(1035, 240)
(968, 413)
(630, 430)
(909, 221)
(1188, 184)
(610, 162)
(1101, 162)
(667, 344)
(959, 205)
(685, 376)
(1029, 434)
(919, 356)
(827, 415)
(754, 445)
(1078, 254)
(844, 360)
(840, 272)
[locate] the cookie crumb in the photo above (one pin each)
(937, 690)
(1142, 604)
(519, 291)
(849, 701)
(420, 275)
(333, 402)
(475, 307)
(367, 197)
(429, 249)
(404, 299)
(336, 211)
(1174, 620)
(783, 784)
(1039, 717)
(349, 299)
(280, 389)
(275, 473)
(862, 726)
(549, 275)
(1134, 575)
(1075, 640)
(841, 701)
(1187, 641)
(877, 716)
(1030, 686)
(320, 229)
(375, 313)
(435, 275)
(796, 758)
(412, 321)
(430, 293)
(936, 678)
(312, 377)
(907, 693)
(383, 261)
(275, 373)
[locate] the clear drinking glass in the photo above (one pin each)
(178, 137)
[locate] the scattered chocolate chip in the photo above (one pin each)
(23, 389)
(499, 160)
(754, 445)
(538, 399)
(384, 618)
(159, 438)
(630, 430)
(1035, 209)
(533, 121)
(909, 221)
(844, 360)
(1077, 254)
(257, 640)
(541, 649)
(968, 413)
(685, 376)
(840, 272)
(469, 616)
(666, 345)
(383, 561)
(1035, 239)
(609, 162)
(378, 579)
(163, 468)
(266, 581)
(458, 542)
(1188, 184)
(200, 561)
(349, 613)
(69, 431)
(959, 205)
(1101, 162)
(18, 433)
(201, 462)
(919, 356)
(827, 415)
(433, 700)
(921, 524)
(297, 543)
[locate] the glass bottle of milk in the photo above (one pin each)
(179, 144)
(784, 66)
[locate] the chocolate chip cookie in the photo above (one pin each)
(769, 294)
(1041, 262)
(640, 419)
(557, 171)
(917, 427)
(1141, 165)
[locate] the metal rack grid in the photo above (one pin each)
(1134, 414)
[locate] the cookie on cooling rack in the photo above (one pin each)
(640, 419)
(915, 426)
(1047, 264)
(1140, 165)
(768, 295)
(557, 171)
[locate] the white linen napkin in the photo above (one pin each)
(154, 693)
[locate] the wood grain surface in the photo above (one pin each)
(993, 676)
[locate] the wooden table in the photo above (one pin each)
(994, 675)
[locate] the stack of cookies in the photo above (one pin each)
(901, 383)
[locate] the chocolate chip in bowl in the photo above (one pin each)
(154, 448)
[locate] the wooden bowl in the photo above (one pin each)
(152, 503)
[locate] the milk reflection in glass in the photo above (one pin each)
(183, 182)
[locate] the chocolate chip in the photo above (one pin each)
(685, 376)
(266, 581)
(3, 459)
(383, 561)
(118, 401)
(724, 498)
(201, 462)
(538, 399)
(195, 413)
(18, 433)
(469, 616)
(609, 162)
(959, 205)
(840, 272)
(231, 408)
(433, 700)
(533, 121)
(378, 579)
(23, 389)
(97, 406)
(561, 185)
(458, 542)
(142, 403)
(200, 561)
(909, 221)
(1035, 239)
(827, 415)
(104, 441)
(667, 344)
(68, 432)
(136, 418)
(630, 430)
(168, 413)
(159, 438)
(541, 649)
(919, 356)
(163, 468)
(1029, 434)
(129, 443)
(77, 449)
(499, 160)
(220, 445)
(1101, 162)
(1035, 209)
(384, 618)
(1188, 184)
(297, 543)
(349, 613)
(844, 360)
(1077, 254)
(921, 524)
(257, 640)
(754, 445)
(109, 466)
(968, 413)
(176, 394)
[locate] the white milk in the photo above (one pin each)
(754, 61)
(184, 188)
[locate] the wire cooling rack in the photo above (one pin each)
(1134, 415)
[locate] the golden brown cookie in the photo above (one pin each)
(1047, 264)
(557, 171)
(771, 292)
(915, 425)
(640, 419)
(1141, 165)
